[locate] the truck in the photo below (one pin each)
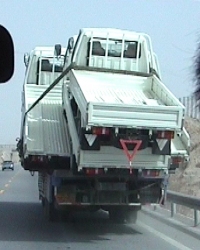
(6, 156)
(104, 132)
(7, 160)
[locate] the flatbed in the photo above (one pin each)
(46, 130)
(114, 99)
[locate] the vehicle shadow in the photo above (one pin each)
(26, 222)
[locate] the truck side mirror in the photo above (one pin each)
(6, 55)
(70, 43)
(26, 59)
(58, 50)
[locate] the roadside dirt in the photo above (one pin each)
(187, 180)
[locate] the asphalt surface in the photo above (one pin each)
(24, 226)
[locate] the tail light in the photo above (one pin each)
(94, 171)
(151, 173)
(37, 158)
(100, 131)
(165, 135)
(176, 160)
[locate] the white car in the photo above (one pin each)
(7, 165)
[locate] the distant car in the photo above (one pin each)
(7, 165)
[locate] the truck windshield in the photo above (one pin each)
(115, 48)
(48, 68)
(51, 64)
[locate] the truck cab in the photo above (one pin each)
(113, 49)
(44, 65)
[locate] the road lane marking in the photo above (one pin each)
(18, 172)
(164, 237)
(7, 185)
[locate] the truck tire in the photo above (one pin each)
(117, 215)
(43, 201)
(131, 217)
(50, 211)
(121, 216)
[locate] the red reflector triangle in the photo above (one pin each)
(124, 144)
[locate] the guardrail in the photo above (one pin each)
(185, 200)
(191, 106)
(7, 146)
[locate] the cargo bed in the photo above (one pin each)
(45, 128)
(114, 99)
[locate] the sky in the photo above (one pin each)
(173, 26)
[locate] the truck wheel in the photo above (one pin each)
(50, 211)
(43, 201)
(117, 216)
(131, 217)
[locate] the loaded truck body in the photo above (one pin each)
(107, 131)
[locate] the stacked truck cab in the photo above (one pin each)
(105, 132)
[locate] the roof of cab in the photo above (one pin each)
(46, 51)
(114, 33)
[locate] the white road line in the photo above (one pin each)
(164, 237)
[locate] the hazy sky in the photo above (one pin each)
(172, 24)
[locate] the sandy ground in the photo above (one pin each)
(187, 180)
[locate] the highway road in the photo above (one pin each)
(23, 225)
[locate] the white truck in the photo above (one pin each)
(106, 132)
(6, 155)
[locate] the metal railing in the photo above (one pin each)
(7, 146)
(191, 107)
(185, 200)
